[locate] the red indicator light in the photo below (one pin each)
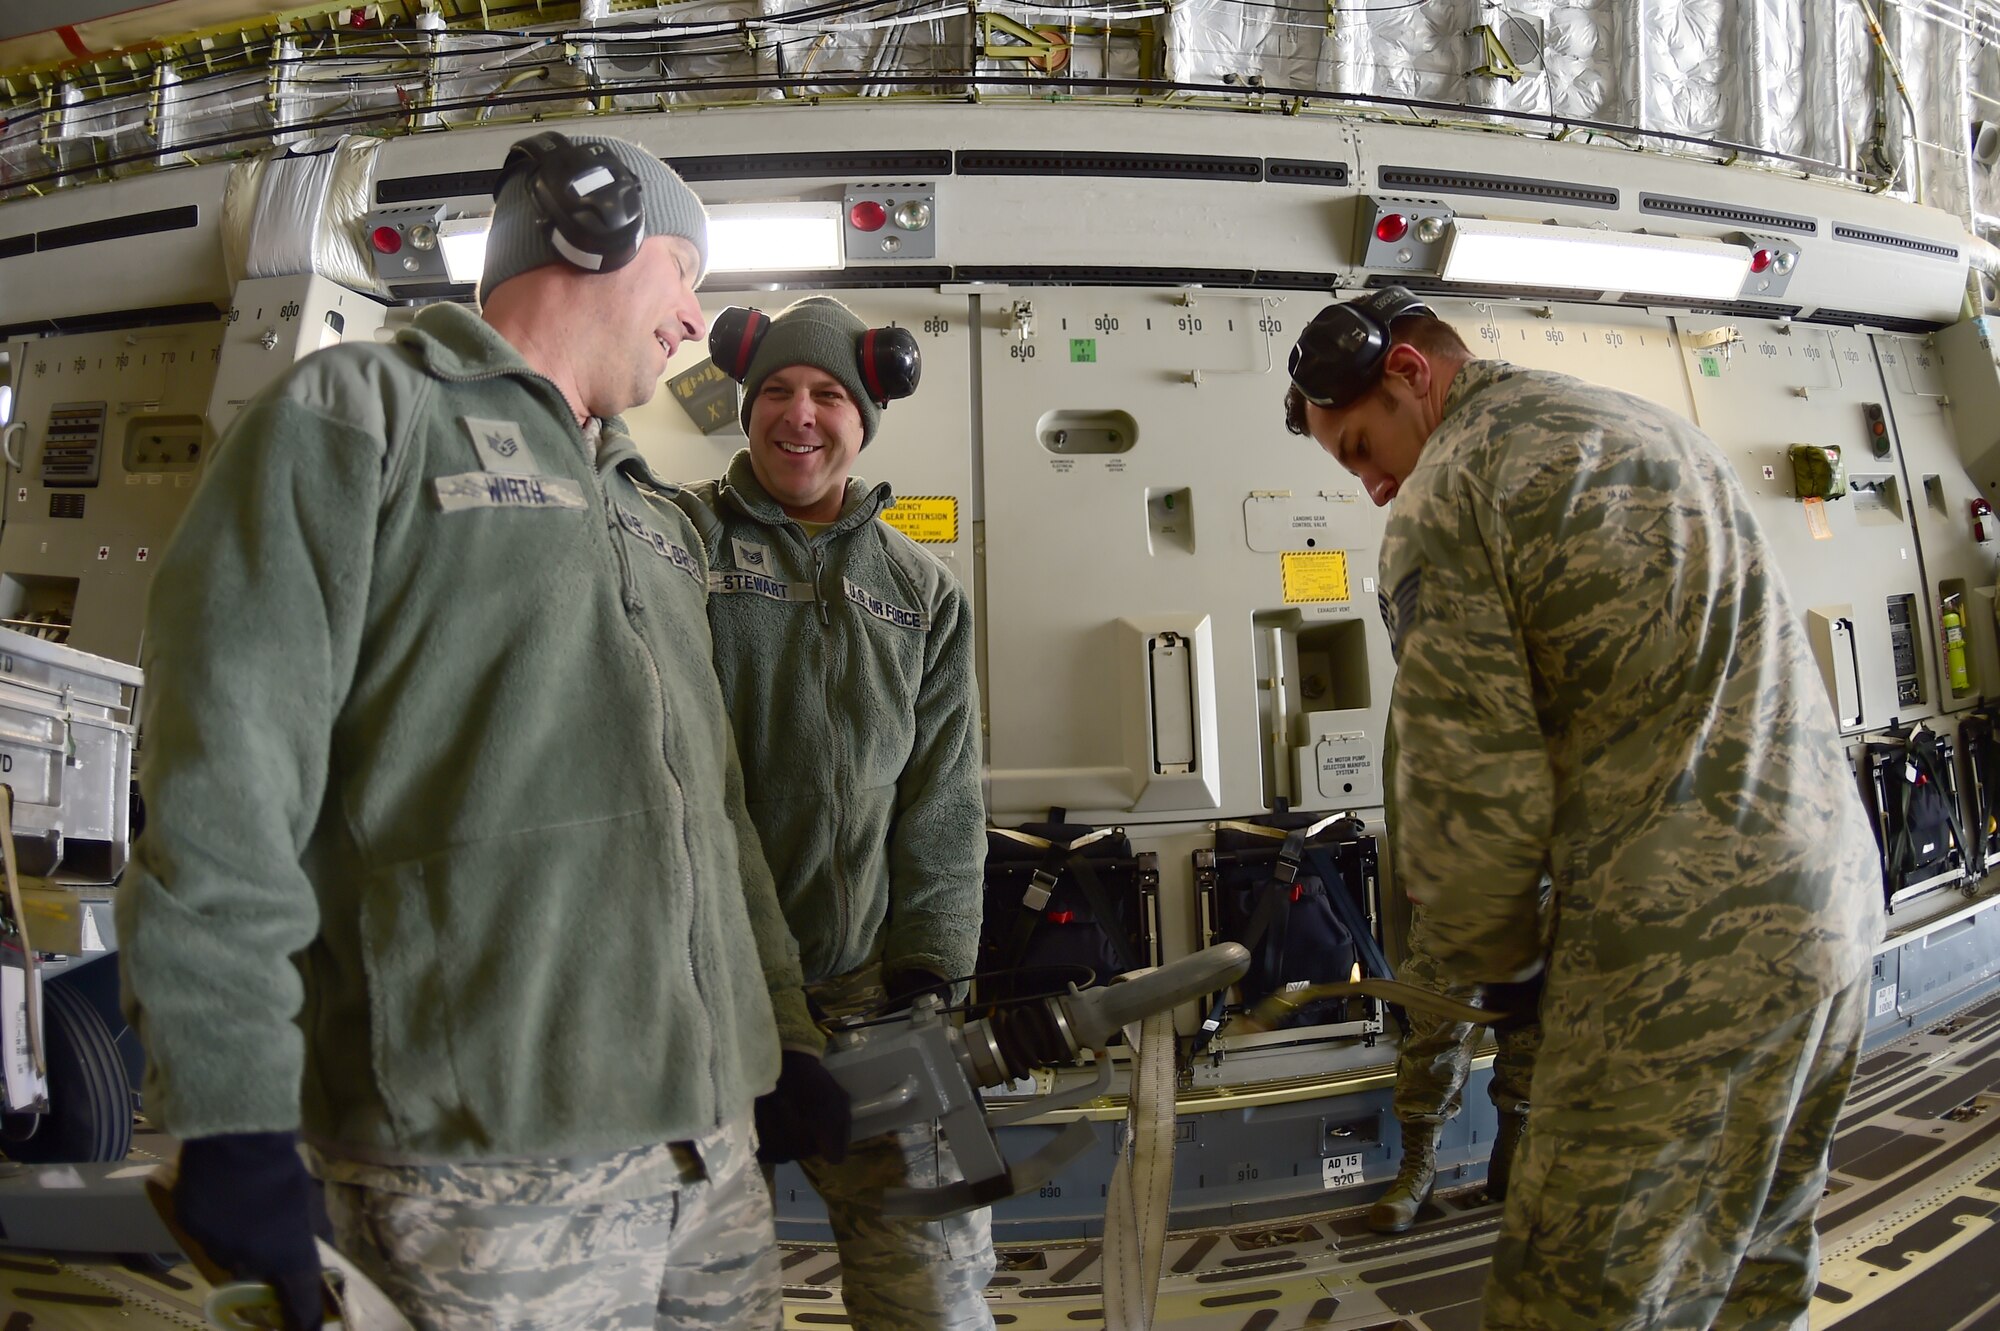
(1760, 261)
(1392, 228)
(867, 215)
(386, 239)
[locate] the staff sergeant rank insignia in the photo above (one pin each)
(499, 446)
(1399, 613)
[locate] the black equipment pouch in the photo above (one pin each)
(1914, 805)
(1979, 748)
(1062, 898)
(1291, 888)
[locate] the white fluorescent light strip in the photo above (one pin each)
(1489, 253)
(774, 237)
(463, 240)
(742, 238)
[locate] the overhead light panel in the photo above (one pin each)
(1490, 253)
(463, 240)
(742, 238)
(774, 237)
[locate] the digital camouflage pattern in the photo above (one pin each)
(1683, 1206)
(1434, 1059)
(1600, 677)
(898, 1273)
(675, 1236)
(1434, 1055)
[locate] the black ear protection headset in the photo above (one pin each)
(589, 199)
(887, 358)
(1339, 355)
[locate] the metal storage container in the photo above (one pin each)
(66, 749)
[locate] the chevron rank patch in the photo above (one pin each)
(1399, 608)
(501, 446)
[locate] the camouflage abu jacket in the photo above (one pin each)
(1600, 676)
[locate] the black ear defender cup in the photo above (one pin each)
(733, 339)
(1339, 355)
(888, 359)
(890, 363)
(587, 196)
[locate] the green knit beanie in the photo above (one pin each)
(821, 332)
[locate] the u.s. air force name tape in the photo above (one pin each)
(885, 611)
(658, 543)
(492, 489)
(736, 582)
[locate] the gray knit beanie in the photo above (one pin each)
(519, 239)
(821, 332)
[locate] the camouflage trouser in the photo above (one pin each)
(898, 1273)
(1685, 1204)
(1435, 1058)
(670, 1236)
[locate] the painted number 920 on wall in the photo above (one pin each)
(1340, 1171)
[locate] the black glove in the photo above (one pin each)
(1521, 1000)
(905, 985)
(246, 1200)
(807, 1113)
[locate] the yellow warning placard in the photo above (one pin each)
(925, 519)
(1315, 575)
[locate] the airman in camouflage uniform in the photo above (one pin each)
(1433, 1062)
(1600, 678)
(845, 652)
(448, 869)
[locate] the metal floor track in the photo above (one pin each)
(1910, 1224)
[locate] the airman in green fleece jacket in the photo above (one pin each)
(846, 657)
(447, 866)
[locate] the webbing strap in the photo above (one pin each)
(1372, 957)
(1135, 1214)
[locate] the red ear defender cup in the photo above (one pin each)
(733, 339)
(891, 364)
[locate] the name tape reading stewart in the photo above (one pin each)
(740, 583)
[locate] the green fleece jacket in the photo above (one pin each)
(446, 854)
(846, 664)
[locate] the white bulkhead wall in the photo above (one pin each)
(1161, 309)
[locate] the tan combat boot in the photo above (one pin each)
(1396, 1210)
(1506, 1144)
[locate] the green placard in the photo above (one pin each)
(1711, 368)
(1083, 349)
(708, 396)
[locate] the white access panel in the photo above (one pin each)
(115, 438)
(1775, 385)
(1941, 493)
(923, 447)
(275, 322)
(1142, 499)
